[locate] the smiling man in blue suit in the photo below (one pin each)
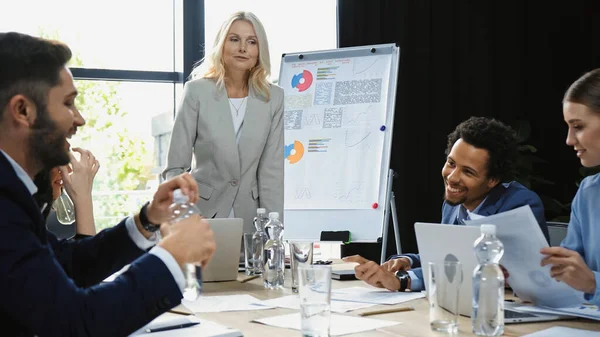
(53, 288)
(481, 159)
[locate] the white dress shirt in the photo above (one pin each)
(132, 230)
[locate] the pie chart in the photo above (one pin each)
(302, 81)
(294, 152)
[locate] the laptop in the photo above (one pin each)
(439, 242)
(228, 237)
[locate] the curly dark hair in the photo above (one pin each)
(499, 139)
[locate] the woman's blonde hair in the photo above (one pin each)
(212, 66)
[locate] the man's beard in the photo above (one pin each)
(450, 202)
(453, 203)
(47, 143)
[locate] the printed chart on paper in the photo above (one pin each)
(334, 111)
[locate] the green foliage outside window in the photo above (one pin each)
(119, 186)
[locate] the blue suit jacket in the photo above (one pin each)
(51, 288)
(502, 198)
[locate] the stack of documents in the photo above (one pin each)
(373, 295)
(561, 331)
(523, 239)
(340, 324)
(584, 311)
(225, 303)
(293, 302)
(203, 329)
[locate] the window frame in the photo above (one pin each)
(192, 13)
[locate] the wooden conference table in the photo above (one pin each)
(413, 323)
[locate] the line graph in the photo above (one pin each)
(362, 116)
(349, 192)
(312, 120)
(303, 193)
(355, 139)
(369, 66)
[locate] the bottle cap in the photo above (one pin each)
(274, 215)
(488, 229)
(261, 211)
(179, 197)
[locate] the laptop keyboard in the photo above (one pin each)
(516, 314)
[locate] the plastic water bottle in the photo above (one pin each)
(488, 285)
(180, 209)
(274, 253)
(65, 210)
(259, 239)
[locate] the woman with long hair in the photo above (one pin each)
(230, 120)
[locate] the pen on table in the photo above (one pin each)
(173, 327)
(386, 311)
(180, 310)
(250, 278)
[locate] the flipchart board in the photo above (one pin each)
(339, 117)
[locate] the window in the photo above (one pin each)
(127, 61)
(108, 34)
(306, 26)
(130, 59)
(126, 127)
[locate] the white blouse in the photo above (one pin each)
(238, 112)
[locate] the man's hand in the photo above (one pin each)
(189, 240)
(393, 265)
(373, 274)
(158, 209)
(569, 267)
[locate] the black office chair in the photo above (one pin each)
(557, 231)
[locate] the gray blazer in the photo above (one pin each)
(247, 176)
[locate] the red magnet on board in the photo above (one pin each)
(375, 205)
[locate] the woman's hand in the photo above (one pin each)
(569, 267)
(79, 180)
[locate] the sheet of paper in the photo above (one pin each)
(373, 295)
(340, 324)
(585, 311)
(522, 238)
(225, 303)
(334, 111)
(561, 331)
(204, 329)
(475, 216)
(293, 302)
(538, 310)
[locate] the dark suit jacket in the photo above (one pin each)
(502, 198)
(51, 288)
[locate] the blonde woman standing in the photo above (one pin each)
(230, 120)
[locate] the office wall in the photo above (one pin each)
(511, 60)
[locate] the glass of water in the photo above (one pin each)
(249, 263)
(314, 288)
(445, 279)
(301, 254)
